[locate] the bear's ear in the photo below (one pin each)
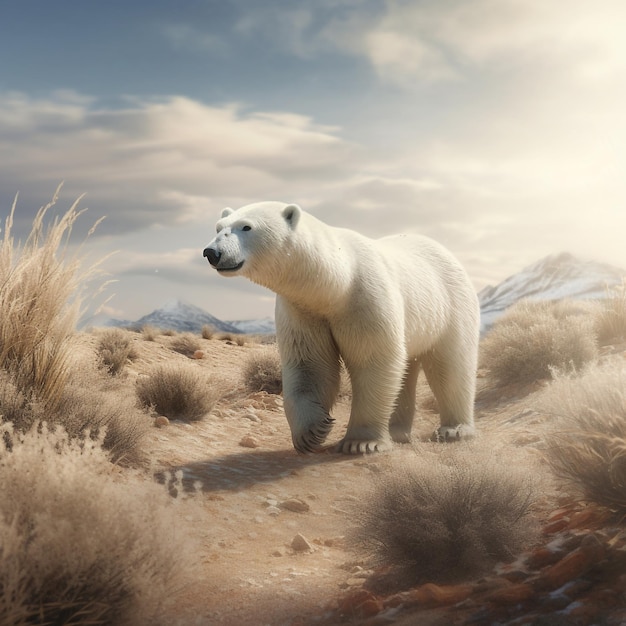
(227, 211)
(292, 213)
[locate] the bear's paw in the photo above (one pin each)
(313, 439)
(360, 446)
(447, 434)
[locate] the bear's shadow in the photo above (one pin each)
(239, 471)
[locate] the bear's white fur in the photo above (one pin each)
(385, 307)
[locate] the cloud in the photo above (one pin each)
(142, 161)
(413, 43)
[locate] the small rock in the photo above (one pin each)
(198, 354)
(274, 511)
(248, 442)
(161, 421)
(361, 603)
(512, 594)
(252, 417)
(295, 505)
(301, 544)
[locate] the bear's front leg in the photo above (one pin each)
(311, 375)
(375, 387)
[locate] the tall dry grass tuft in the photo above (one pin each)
(534, 339)
(40, 301)
(78, 546)
(447, 518)
(588, 447)
(611, 318)
(178, 392)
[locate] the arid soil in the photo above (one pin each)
(273, 528)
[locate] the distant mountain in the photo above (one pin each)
(553, 278)
(263, 326)
(179, 316)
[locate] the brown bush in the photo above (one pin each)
(186, 343)
(449, 518)
(115, 349)
(150, 333)
(78, 546)
(534, 339)
(208, 332)
(178, 392)
(588, 440)
(262, 371)
(611, 317)
(90, 405)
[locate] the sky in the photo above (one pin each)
(496, 127)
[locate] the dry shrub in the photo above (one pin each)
(262, 371)
(208, 332)
(588, 447)
(186, 343)
(77, 545)
(90, 405)
(611, 318)
(236, 338)
(150, 333)
(178, 392)
(534, 339)
(447, 518)
(41, 289)
(115, 349)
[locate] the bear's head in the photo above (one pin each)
(251, 241)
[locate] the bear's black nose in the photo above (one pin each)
(212, 255)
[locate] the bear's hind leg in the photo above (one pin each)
(402, 417)
(452, 379)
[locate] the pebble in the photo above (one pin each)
(295, 505)
(161, 421)
(301, 544)
(249, 442)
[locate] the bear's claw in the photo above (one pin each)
(356, 446)
(445, 434)
(312, 440)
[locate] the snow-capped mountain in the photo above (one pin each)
(263, 326)
(555, 277)
(179, 316)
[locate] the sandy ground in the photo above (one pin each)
(273, 528)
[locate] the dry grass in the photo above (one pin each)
(150, 333)
(186, 343)
(262, 371)
(611, 318)
(535, 339)
(178, 392)
(208, 332)
(448, 518)
(77, 545)
(91, 405)
(115, 349)
(588, 447)
(40, 298)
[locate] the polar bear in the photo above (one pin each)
(385, 307)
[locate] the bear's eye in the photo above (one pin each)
(246, 228)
